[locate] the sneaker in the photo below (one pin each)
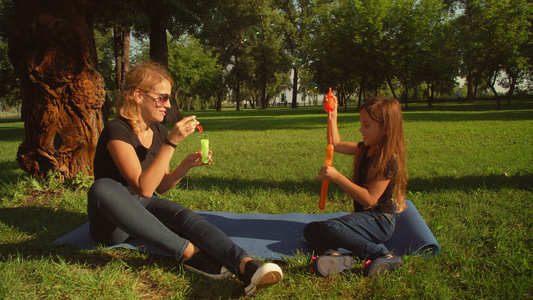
(381, 265)
(327, 265)
(259, 275)
(202, 264)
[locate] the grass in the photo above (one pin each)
(471, 178)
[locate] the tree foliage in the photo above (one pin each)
(249, 49)
(194, 69)
(9, 85)
(493, 36)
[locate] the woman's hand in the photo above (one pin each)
(182, 129)
(171, 179)
(195, 159)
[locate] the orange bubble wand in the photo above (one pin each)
(330, 106)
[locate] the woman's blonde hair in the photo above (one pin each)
(391, 151)
(143, 77)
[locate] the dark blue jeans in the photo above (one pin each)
(360, 232)
(115, 215)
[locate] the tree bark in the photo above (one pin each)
(238, 96)
(53, 51)
(389, 82)
(470, 93)
(264, 100)
(295, 88)
(121, 39)
(159, 50)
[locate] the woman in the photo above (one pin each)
(132, 162)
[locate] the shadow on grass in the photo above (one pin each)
(10, 171)
(277, 118)
(492, 182)
(468, 116)
(43, 225)
(305, 121)
(10, 120)
(239, 185)
(12, 133)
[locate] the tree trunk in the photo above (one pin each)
(121, 40)
(264, 100)
(53, 51)
(295, 89)
(389, 81)
(406, 96)
(121, 46)
(470, 93)
(219, 100)
(238, 96)
(430, 93)
(492, 84)
(158, 32)
(159, 51)
(512, 85)
(359, 98)
(493, 89)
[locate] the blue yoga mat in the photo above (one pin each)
(276, 237)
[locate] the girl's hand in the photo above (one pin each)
(328, 172)
(182, 129)
(334, 112)
(195, 159)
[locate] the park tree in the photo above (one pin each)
(493, 36)
(119, 17)
(158, 13)
(106, 67)
(331, 60)
(240, 74)
(507, 28)
(152, 20)
(371, 57)
(438, 56)
(272, 63)
(348, 42)
(468, 26)
(230, 31)
(9, 86)
(194, 69)
(298, 17)
(409, 28)
(52, 49)
(9, 91)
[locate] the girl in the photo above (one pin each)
(379, 173)
(132, 161)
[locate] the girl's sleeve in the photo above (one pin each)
(392, 168)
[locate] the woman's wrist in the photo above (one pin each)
(166, 141)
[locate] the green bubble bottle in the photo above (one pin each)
(205, 150)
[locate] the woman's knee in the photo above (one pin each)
(104, 187)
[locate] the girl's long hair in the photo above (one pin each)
(391, 150)
(143, 77)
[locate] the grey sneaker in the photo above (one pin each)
(259, 275)
(202, 264)
(381, 265)
(327, 265)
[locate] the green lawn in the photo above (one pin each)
(471, 177)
